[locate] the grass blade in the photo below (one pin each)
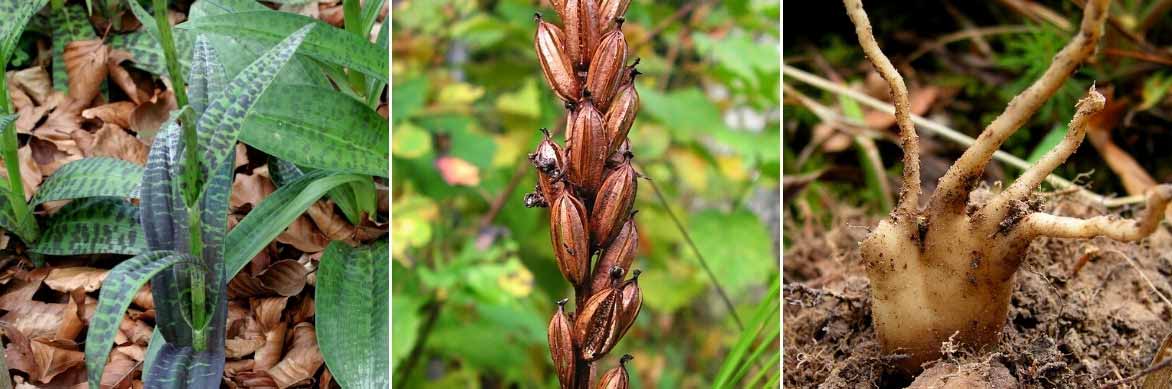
(118, 289)
(764, 314)
(91, 177)
(334, 132)
(93, 226)
(327, 43)
(353, 312)
(275, 213)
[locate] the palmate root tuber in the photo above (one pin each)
(947, 269)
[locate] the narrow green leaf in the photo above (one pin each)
(319, 128)
(91, 177)
(69, 24)
(275, 213)
(375, 86)
(301, 70)
(370, 12)
(326, 43)
(736, 359)
(181, 367)
(219, 126)
(345, 197)
(164, 222)
(352, 313)
(206, 80)
(153, 346)
(92, 226)
(118, 290)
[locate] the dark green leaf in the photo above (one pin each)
(15, 15)
(319, 128)
(181, 367)
(219, 126)
(69, 24)
(275, 213)
(118, 289)
(352, 313)
(325, 43)
(92, 226)
(206, 81)
(91, 177)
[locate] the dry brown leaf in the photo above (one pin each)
(34, 82)
(238, 348)
(30, 114)
(1135, 178)
(18, 354)
(114, 113)
(268, 310)
(270, 354)
(302, 360)
(112, 141)
(119, 372)
(30, 171)
(329, 222)
(242, 157)
(139, 89)
(333, 15)
(148, 117)
(304, 235)
(85, 64)
(250, 189)
(52, 360)
(256, 380)
(144, 299)
(71, 317)
(232, 368)
(303, 311)
(285, 278)
(49, 157)
(36, 319)
(66, 279)
(22, 287)
(136, 331)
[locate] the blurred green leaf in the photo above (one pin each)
(1052, 139)
(411, 141)
(736, 245)
(405, 311)
(685, 112)
(410, 97)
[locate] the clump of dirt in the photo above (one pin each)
(1065, 329)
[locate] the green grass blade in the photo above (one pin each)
(91, 177)
(761, 317)
(92, 226)
(765, 343)
(219, 127)
(374, 86)
(773, 361)
(344, 197)
(352, 313)
(370, 12)
(319, 128)
(118, 289)
(327, 43)
(275, 213)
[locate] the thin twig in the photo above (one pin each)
(1151, 369)
(1140, 271)
(664, 24)
(413, 357)
(952, 135)
(499, 202)
(965, 35)
(703, 263)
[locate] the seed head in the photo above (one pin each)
(561, 345)
(617, 377)
(568, 232)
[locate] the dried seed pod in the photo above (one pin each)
(606, 67)
(617, 377)
(587, 153)
(567, 226)
(535, 199)
(561, 345)
(581, 20)
(555, 62)
(621, 115)
(619, 156)
(549, 161)
(612, 204)
(557, 5)
(596, 328)
(620, 253)
(610, 10)
(630, 303)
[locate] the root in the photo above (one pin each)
(952, 190)
(1126, 230)
(909, 199)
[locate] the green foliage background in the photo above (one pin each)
(472, 296)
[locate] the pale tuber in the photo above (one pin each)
(947, 269)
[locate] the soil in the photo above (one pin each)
(1065, 329)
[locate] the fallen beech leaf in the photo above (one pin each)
(136, 331)
(304, 235)
(302, 360)
(22, 288)
(112, 141)
(304, 310)
(119, 372)
(36, 319)
(333, 15)
(249, 190)
(113, 113)
(49, 157)
(268, 310)
(18, 353)
(85, 64)
(270, 354)
(148, 117)
(144, 299)
(256, 379)
(33, 81)
(329, 222)
(30, 172)
(138, 88)
(282, 278)
(456, 171)
(232, 368)
(238, 348)
(71, 317)
(52, 360)
(66, 279)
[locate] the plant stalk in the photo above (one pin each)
(9, 146)
(352, 17)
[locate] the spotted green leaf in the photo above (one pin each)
(146, 53)
(69, 24)
(206, 80)
(319, 128)
(300, 70)
(275, 213)
(91, 177)
(15, 14)
(92, 226)
(181, 367)
(352, 313)
(164, 223)
(118, 289)
(219, 126)
(325, 43)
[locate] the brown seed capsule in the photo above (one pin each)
(587, 152)
(606, 67)
(617, 377)
(549, 161)
(567, 227)
(629, 73)
(555, 62)
(581, 20)
(561, 345)
(621, 115)
(596, 328)
(620, 253)
(630, 303)
(612, 204)
(535, 199)
(609, 10)
(557, 5)
(620, 155)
